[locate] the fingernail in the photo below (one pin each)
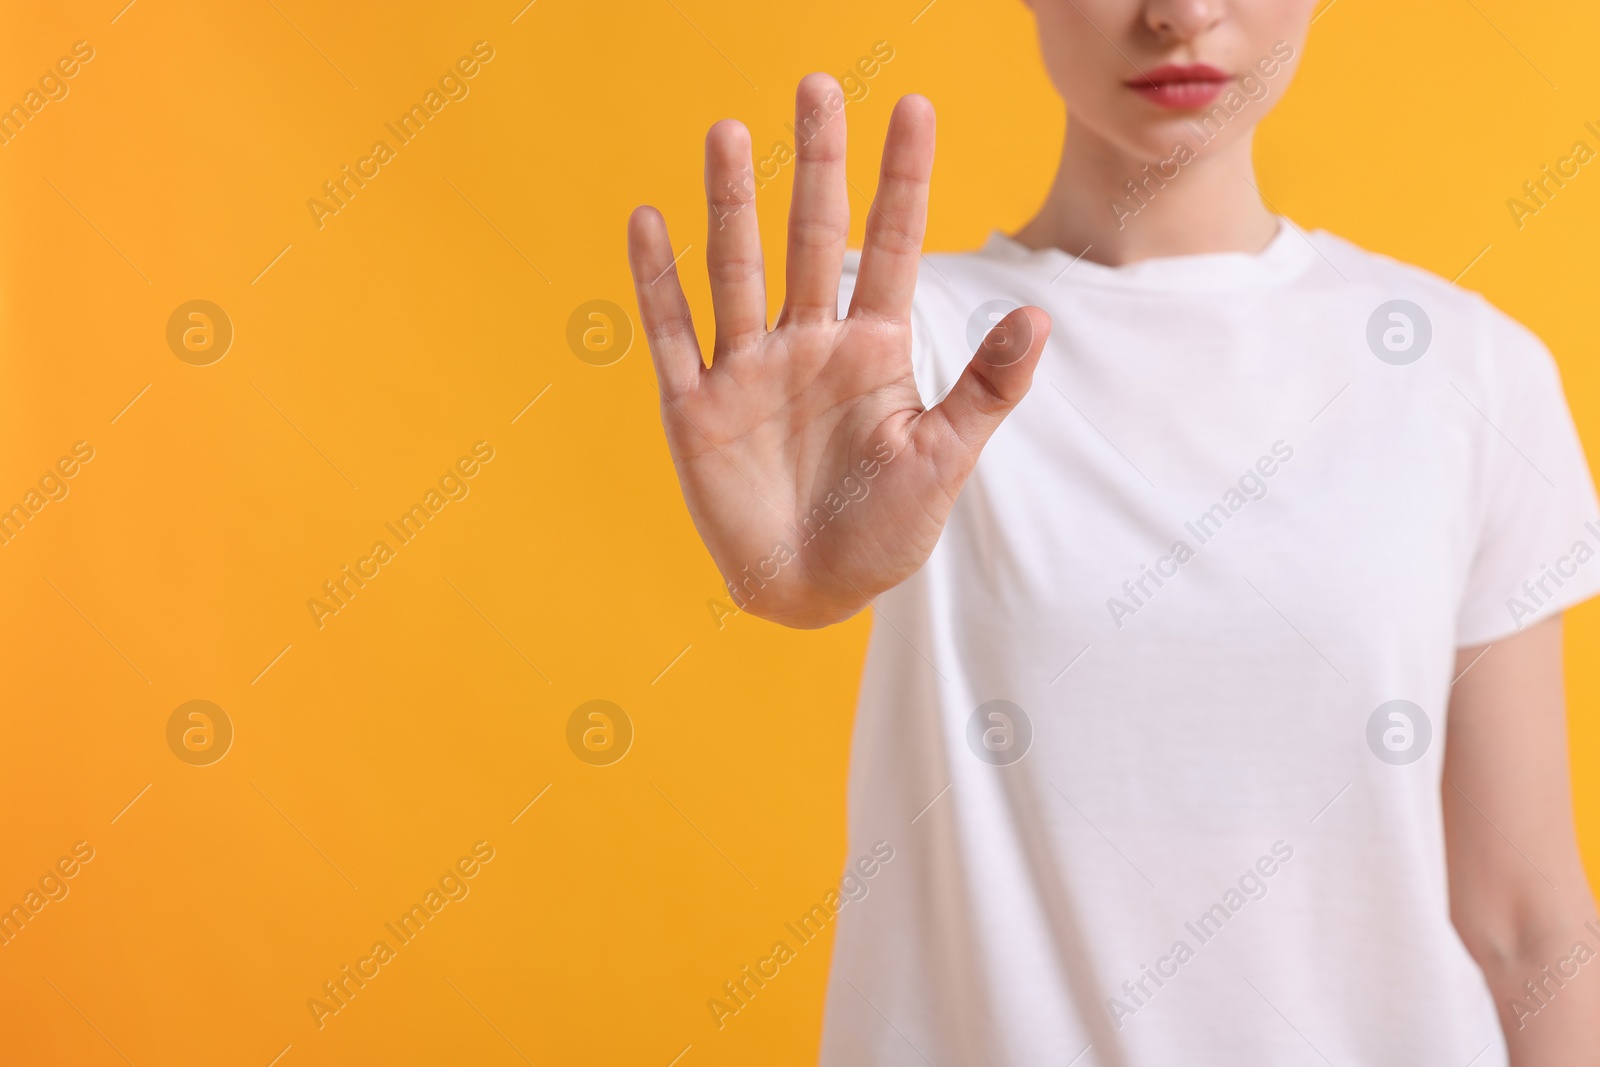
(1009, 341)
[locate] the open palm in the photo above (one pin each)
(811, 469)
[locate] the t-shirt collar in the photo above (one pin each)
(1288, 253)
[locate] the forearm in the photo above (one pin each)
(1547, 992)
(1519, 894)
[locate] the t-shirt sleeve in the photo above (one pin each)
(1537, 537)
(931, 383)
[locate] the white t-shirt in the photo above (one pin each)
(1130, 731)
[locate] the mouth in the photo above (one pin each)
(1181, 87)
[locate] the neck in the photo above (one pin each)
(1209, 205)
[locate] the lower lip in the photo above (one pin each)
(1181, 96)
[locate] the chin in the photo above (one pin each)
(1145, 136)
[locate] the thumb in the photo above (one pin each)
(995, 381)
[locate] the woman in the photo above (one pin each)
(1215, 716)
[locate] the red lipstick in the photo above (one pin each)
(1181, 87)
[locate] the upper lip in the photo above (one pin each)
(1178, 72)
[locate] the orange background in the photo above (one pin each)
(424, 317)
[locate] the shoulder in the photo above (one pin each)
(1480, 341)
(1371, 274)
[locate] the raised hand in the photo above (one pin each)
(812, 471)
